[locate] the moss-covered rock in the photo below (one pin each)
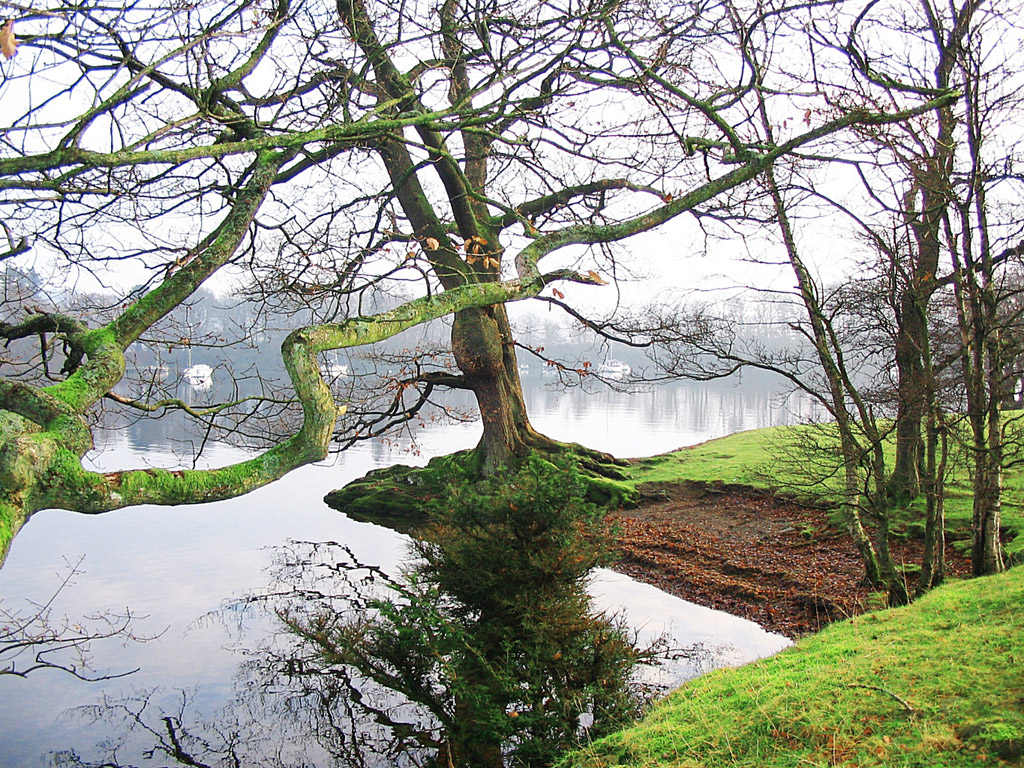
(400, 496)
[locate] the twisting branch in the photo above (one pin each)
(605, 329)
(174, 403)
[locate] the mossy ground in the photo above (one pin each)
(936, 683)
(399, 496)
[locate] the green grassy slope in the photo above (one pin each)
(936, 683)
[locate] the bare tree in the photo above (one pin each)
(917, 197)
(331, 154)
(944, 174)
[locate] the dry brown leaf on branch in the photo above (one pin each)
(474, 244)
(432, 243)
(558, 294)
(598, 280)
(8, 45)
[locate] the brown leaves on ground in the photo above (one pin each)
(750, 554)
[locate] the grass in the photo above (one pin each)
(799, 461)
(742, 458)
(937, 683)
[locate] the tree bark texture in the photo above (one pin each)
(484, 350)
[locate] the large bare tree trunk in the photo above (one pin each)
(482, 343)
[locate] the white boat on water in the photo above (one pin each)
(614, 369)
(199, 376)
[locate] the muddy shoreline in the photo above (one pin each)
(751, 554)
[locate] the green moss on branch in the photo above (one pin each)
(40, 461)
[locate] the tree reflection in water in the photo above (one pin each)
(485, 651)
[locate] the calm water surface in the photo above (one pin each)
(173, 567)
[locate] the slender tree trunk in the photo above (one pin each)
(986, 443)
(981, 329)
(977, 313)
(837, 389)
(837, 393)
(986, 446)
(850, 509)
(933, 479)
(880, 512)
(933, 563)
(986, 552)
(987, 548)
(891, 578)
(905, 480)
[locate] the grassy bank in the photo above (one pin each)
(936, 683)
(795, 461)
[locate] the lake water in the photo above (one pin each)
(174, 568)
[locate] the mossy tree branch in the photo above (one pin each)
(41, 467)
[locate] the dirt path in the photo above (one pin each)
(755, 556)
